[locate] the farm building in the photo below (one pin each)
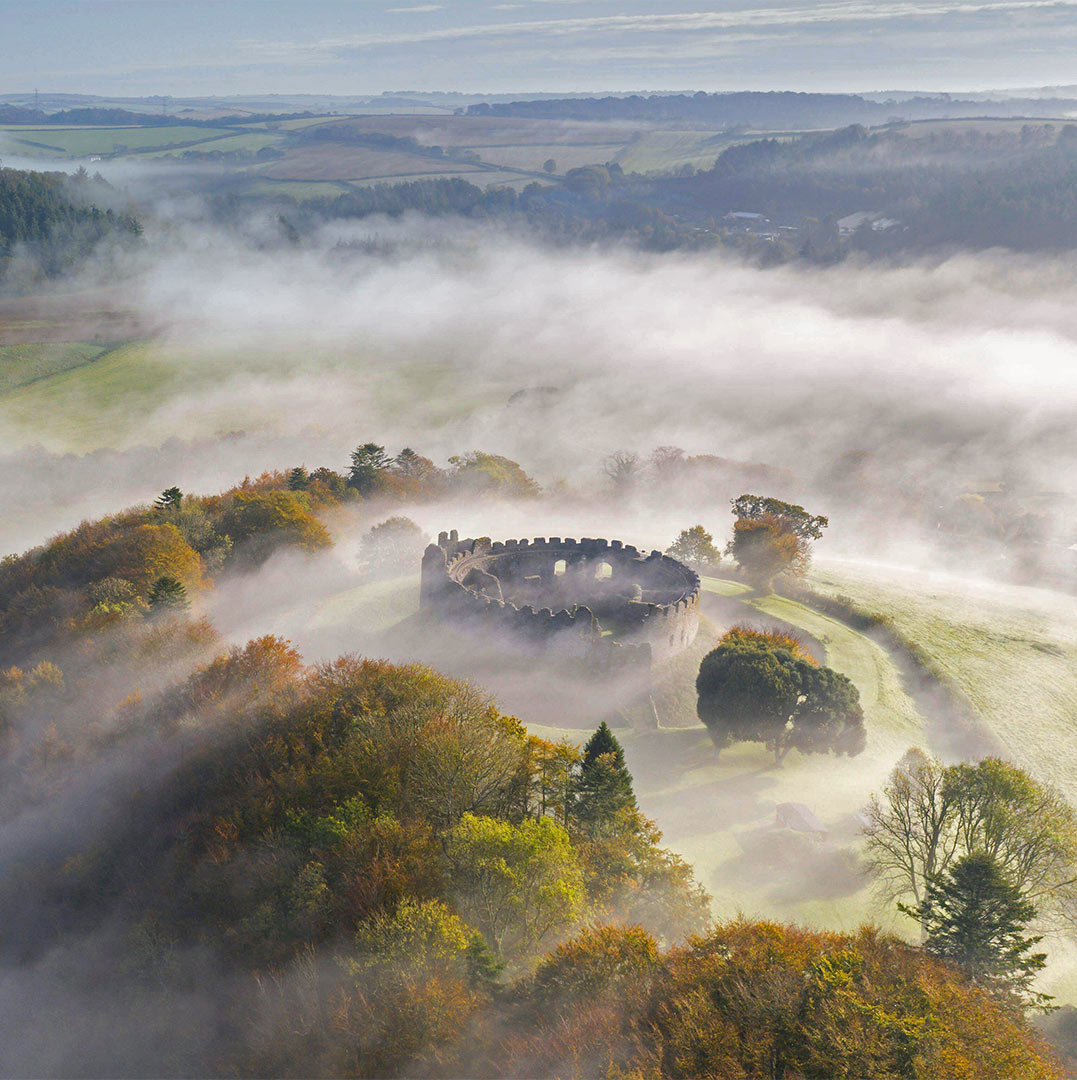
(799, 818)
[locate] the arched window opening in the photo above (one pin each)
(560, 567)
(603, 572)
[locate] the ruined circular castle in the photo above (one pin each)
(601, 601)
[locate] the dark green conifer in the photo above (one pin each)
(369, 461)
(602, 788)
(974, 916)
(169, 499)
(168, 594)
(484, 966)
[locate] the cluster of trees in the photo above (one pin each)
(434, 197)
(975, 853)
(376, 474)
(108, 604)
(43, 219)
(116, 578)
(382, 829)
(770, 538)
(752, 1000)
(673, 474)
(953, 188)
(394, 546)
(762, 686)
(594, 204)
(234, 157)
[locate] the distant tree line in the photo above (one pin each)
(95, 116)
(766, 109)
(594, 204)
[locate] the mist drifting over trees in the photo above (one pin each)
(538, 585)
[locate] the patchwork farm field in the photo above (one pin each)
(333, 161)
(509, 150)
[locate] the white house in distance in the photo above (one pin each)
(875, 221)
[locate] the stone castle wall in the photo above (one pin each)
(600, 601)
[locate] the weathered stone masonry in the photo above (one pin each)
(599, 601)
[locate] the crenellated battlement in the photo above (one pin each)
(601, 601)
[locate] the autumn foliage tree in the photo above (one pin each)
(259, 523)
(771, 537)
(753, 1000)
(479, 473)
(695, 548)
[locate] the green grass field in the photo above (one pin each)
(79, 142)
(249, 140)
(288, 125)
(664, 150)
(93, 406)
(300, 190)
(147, 392)
(21, 365)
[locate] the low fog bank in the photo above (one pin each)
(919, 383)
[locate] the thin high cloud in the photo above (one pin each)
(747, 19)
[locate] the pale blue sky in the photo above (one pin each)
(122, 47)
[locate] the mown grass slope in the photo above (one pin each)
(1010, 651)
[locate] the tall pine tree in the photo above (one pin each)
(369, 461)
(602, 788)
(974, 916)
